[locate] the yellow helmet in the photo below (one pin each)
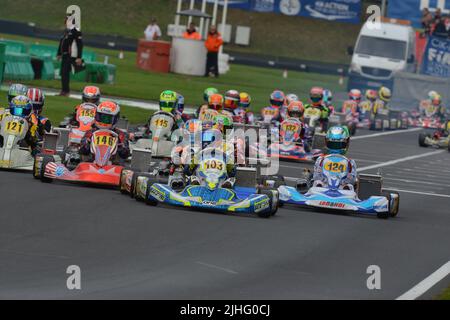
(385, 94)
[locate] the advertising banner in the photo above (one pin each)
(332, 10)
(436, 60)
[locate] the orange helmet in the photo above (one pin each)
(296, 109)
(215, 101)
(107, 115)
(244, 100)
(91, 94)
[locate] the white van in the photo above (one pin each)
(380, 53)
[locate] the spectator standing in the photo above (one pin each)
(213, 43)
(437, 15)
(191, 33)
(440, 30)
(152, 32)
(427, 20)
(70, 51)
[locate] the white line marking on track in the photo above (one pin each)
(387, 177)
(421, 193)
(427, 283)
(389, 163)
(385, 133)
(216, 267)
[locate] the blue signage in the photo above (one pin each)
(332, 10)
(436, 60)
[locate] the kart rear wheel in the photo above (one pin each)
(134, 185)
(422, 137)
(46, 159)
(352, 128)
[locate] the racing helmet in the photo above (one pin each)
(91, 94)
(37, 99)
(432, 94)
(296, 109)
(180, 103)
(355, 95)
(385, 94)
(168, 101)
(208, 92)
(337, 140)
(291, 97)
(222, 123)
(20, 106)
(244, 100)
(316, 95)
(215, 102)
(277, 99)
(231, 99)
(371, 95)
(15, 90)
(327, 95)
(107, 115)
(437, 100)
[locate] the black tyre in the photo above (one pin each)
(37, 164)
(136, 176)
(422, 137)
(352, 129)
(273, 202)
(45, 160)
(394, 202)
(148, 201)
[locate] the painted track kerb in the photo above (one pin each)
(427, 283)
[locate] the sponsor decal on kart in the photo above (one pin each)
(157, 194)
(208, 203)
(329, 204)
(261, 205)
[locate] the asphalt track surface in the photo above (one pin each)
(128, 250)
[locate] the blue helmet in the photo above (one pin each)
(327, 95)
(180, 105)
(20, 106)
(337, 140)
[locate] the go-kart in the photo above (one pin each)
(160, 144)
(13, 156)
(387, 119)
(426, 116)
(436, 140)
(208, 195)
(369, 198)
(349, 116)
(291, 147)
(98, 172)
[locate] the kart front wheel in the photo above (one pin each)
(422, 137)
(150, 201)
(273, 203)
(44, 161)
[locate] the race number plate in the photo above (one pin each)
(14, 127)
(213, 164)
(335, 167)
(160, 123)
(105, 140)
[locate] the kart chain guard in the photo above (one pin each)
(141, 159)
(369, 185)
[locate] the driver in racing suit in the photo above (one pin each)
(37, 99)
(21, 106)
(337, 142)
(106, 117)
(316, 96)
(91, 94)
(220, 125)
(14, 90)
(242, 113)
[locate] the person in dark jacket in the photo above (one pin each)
(70, 51)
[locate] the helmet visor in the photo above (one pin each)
(20, 112)
(167, 106)
(337, 145)
(276, 103)
(105, 118)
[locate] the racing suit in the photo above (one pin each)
(319, 179)
(31, 139)
(241, 115)
(325, 114)
(43, 123)
(123, 148)
(178, 123)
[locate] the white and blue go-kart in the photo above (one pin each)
(208, 195)
(370, 199)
